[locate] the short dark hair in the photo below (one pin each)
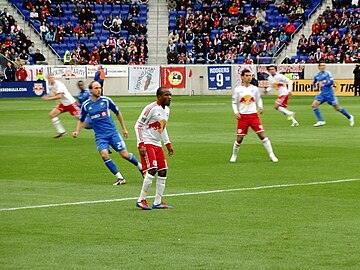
(271, 66)
(91, 84)
(244, 71)
(79, 82)
(160, 91)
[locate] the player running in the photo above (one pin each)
(106, 134)
(283, 85)
(245, 100)
(324, 80)
(83, 95)
(67, 103)
(150, 129)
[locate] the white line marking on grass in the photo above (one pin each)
(182, 194)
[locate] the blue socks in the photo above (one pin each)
(133, 159)
(344, 112)
(111, 166)
(318, 114)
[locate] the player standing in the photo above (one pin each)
(283, 85)
(106, 134)
(150, 129)
(83, 95)
(324, 80)
(245, 100)
(67, 103)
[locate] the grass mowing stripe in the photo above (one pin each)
(183, 194)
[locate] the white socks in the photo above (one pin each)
(146, 186)
(236, 148)
(58, 126)
(119, 175)
(284, 111)
(267, 145)
(160, 187)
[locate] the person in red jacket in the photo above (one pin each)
(21, 74)
(289, 28)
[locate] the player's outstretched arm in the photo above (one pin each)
(79, 126)
(122, 123)
(57, 96)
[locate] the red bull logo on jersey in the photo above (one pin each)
(247, 100)
(159, 126)
(38, 89)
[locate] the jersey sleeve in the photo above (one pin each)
(289, 83)
(141, 123)
(314, 81)
(258, 99)
(83, 113)
(165, 136)
(329, 79)
(61, 88)
(234, 102)
(112, 106)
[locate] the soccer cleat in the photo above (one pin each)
(233, 158)
(291, 116)
(295, 124)
(119, 182)
(143, 204)
(273, 158)
(58, 135)
(161, 205)
(352, 120)
(319, 123)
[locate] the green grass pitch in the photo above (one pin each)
(295, 227)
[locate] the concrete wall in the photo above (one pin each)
(198, 83)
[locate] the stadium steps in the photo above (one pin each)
(50, 57)
(291, 49)
(157, 32)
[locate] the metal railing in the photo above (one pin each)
(285, 47)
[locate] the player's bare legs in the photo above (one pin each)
(289, 114)
(56, 122)
(112, 167)
(315, 105)
(267, 144)
(344, 112)
(265, 140)
(131, 158)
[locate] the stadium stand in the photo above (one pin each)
(15, 45)
(113, 31)
(335, 36)
(237, 31)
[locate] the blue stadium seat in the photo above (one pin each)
(181, 13)
(143, 8)
(84, 40)
(240, 60)
(266, 60)
(125, 8)
(124, 33)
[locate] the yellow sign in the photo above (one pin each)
(304, 88)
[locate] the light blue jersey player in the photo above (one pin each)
(324, 80)
(98, 108)
(83, 95)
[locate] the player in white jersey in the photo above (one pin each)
(67, 103)
(246, 104)
(284, 87)
(150, 129)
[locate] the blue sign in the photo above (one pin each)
(219, 77)
(22, 89)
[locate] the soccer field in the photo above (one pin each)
(59, 209)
